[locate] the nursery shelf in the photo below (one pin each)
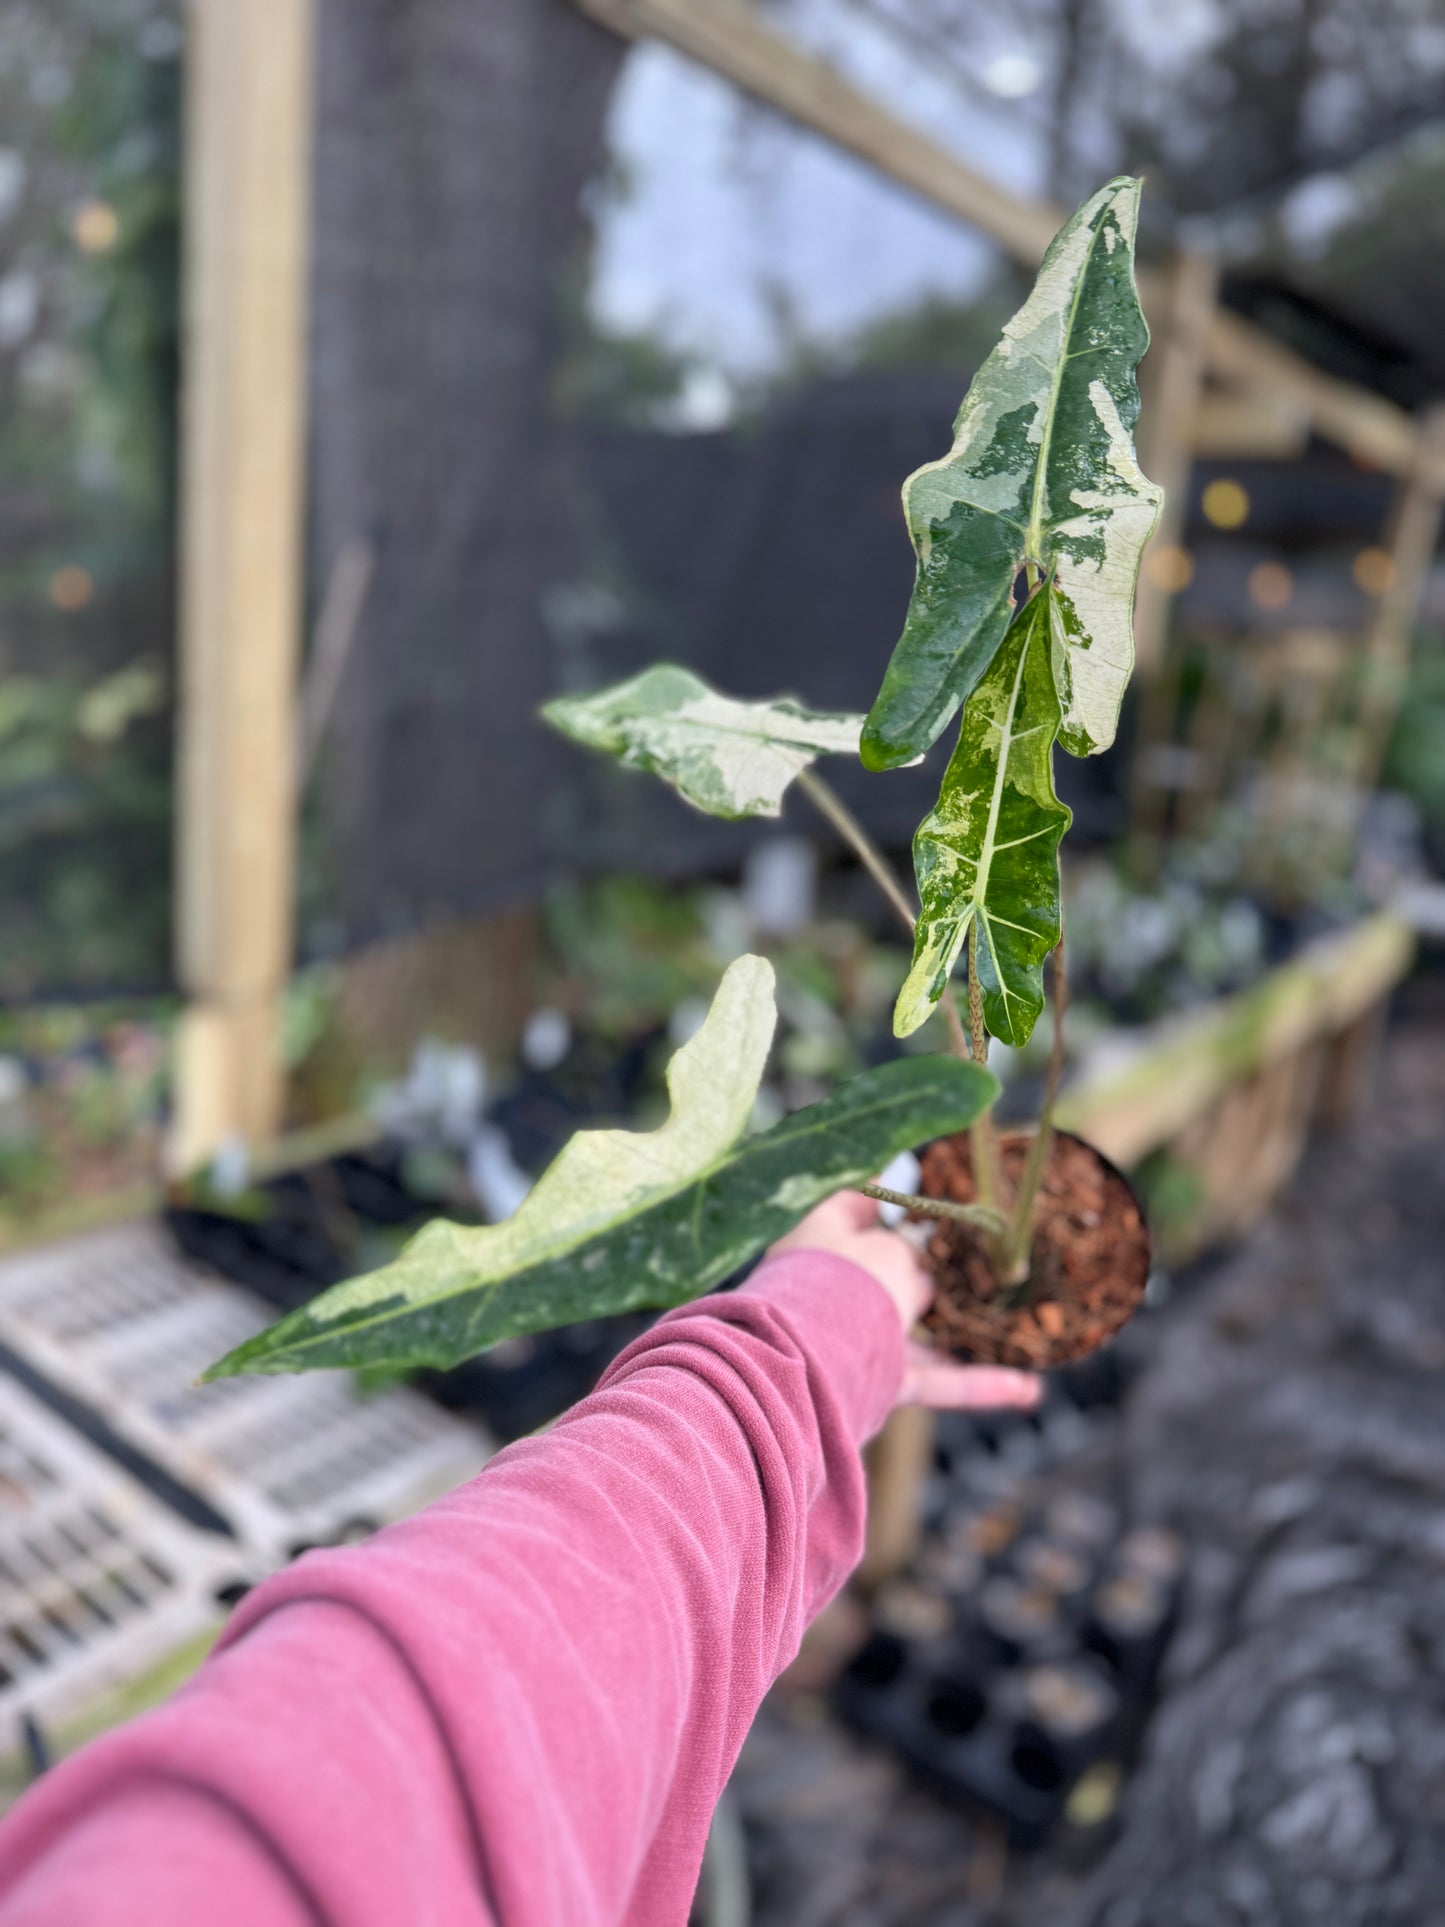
(1175, 1070)
(120, 1322)
(1232, 1089)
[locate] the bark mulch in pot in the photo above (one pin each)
(1090, 1259)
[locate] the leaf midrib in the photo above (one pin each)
(986, 850)
(676, 720)
(995, 801)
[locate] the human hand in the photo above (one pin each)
(848, 1224)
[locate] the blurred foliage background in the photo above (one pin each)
(89, 265)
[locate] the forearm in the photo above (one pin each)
(541, 1683)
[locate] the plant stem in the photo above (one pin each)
(978, 1215)
(988, 1213)
(956, 1033)
(1019, 1238)
(975, 999)
(827, 800)
(987, 1173)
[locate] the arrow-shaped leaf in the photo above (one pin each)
(626, 1220)
(989, 849)
(729, 758)
(1042, 469)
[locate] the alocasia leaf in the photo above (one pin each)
(625, 1220)
(729, 758)
(1042, 469)
(989, 849)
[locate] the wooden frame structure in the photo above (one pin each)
(249, 127)
(248, 161)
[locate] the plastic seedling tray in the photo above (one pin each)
(942, 1715)
(99, 1580)
(1023, 1652)
(121, 1322)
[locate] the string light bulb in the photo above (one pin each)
(1374, 571)
(1225, 504)
(96, 227)
(1270, 585)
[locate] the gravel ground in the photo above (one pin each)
(1288, 1419)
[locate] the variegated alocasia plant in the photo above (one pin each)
(1028, 535)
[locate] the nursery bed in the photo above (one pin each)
(120, 1322)
(100, 1580)
(1230, 1090)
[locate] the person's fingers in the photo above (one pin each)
(947, 1386)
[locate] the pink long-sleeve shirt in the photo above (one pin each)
(520, 1706)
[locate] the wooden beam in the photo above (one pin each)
(1369, 427)
(248, 121)
(734, 42)
(1256, 425)
(1410, 541)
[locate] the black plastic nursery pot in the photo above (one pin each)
(1089, 1266)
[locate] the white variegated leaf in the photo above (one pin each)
(729, 758)
(1041, 470)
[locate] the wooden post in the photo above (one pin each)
(897, 1463)
(1410, 541)
(248, 114)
